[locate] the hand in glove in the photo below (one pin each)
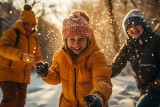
(42, 68)
(93, 100)
(28, 58)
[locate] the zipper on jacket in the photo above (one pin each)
(75, 86)
(75, 79)
(74, 59)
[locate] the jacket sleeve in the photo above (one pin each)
(101, 75)
(119, 61)
(53, 72)
(7, 49)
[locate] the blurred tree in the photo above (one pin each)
(112, 24)
(7, 10)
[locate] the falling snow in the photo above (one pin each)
(124, 93)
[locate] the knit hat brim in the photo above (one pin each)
(136, 20)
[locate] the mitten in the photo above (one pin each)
(93, 100)
(42, 68)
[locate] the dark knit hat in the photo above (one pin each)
(27, 15)
(136, 17)
(76, 24)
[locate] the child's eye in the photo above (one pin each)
(81, 39)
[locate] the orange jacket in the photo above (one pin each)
(88, 74)
(18, 70)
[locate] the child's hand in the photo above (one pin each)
(42, 68)
(93, 101)
(28, 58)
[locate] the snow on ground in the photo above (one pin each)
(41, 94)
(125, 93)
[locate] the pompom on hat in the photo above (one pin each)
(136, 17)
(27, 15)
(76, 24)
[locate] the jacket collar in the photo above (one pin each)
(18, 25)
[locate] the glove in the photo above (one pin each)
(42, 68)
(93, 101)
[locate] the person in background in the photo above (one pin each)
(142, 51)
(79, 65)
(16, 61)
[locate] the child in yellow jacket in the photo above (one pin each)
(16, 61)
(79, 65)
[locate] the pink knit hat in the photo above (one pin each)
(76, 24)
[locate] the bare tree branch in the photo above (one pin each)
(112, 24)
(35, 2)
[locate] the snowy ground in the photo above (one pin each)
(40, 94)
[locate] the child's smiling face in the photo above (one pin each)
(135, 30)
(77, 44)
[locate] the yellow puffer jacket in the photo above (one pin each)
(88, 74)
(12, 68)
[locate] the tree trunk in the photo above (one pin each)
(109, 7)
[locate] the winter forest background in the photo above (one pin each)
(106, 20)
